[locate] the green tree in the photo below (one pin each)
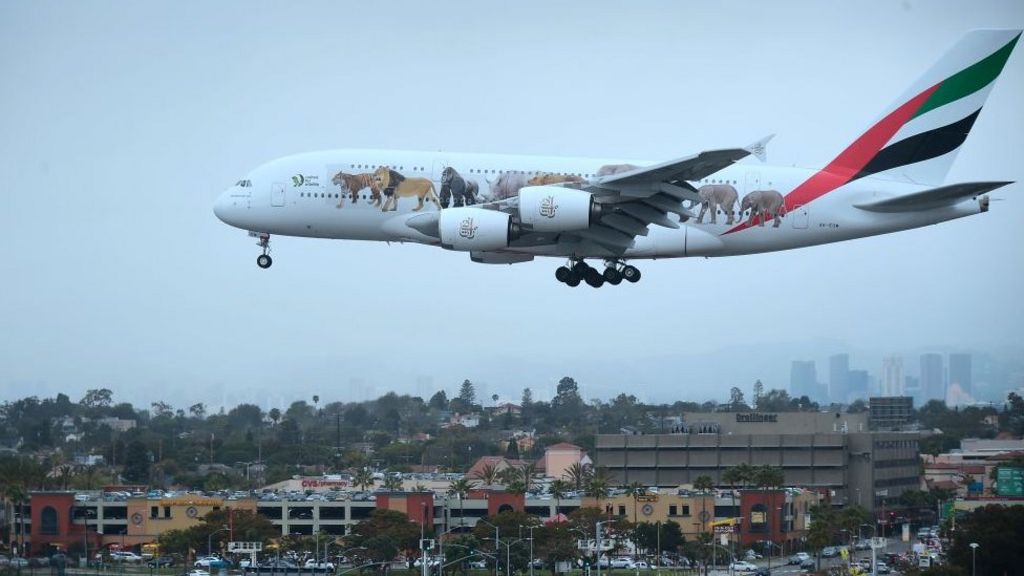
(635, 490)
(97, 398)
(467, 394)
(136, 463)
(383, 535)
(998, 531)
(488, 474)
(577, 475)
(439, 401)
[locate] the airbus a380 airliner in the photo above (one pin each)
(506, 209)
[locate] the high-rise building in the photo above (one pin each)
(933, 384)
(838, 378)
(858, 382)
(960, 372)
(803, 380)
(892, 376)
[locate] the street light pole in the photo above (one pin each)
(497, 542)
(209, 540)
(597, 530)
(974, 549)
(531, 549)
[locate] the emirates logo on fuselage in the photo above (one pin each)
(467, 230)
(548, 208)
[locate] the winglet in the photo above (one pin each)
(760, 148)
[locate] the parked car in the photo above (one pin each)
(312, 564)
(212, 562)
(162, 561)
(198, 572)
(798, 557)
(478, 564)
(807, 564)
(125, 556)
(279, 565)
(17, 562)
(829, 552)
(882, 568)
(742, 566)
(862, 545)
(762, 571)
(621, 563)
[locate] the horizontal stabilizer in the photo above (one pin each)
(932, 198)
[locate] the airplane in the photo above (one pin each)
(506, 209)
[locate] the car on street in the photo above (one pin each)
(742, 566)
(198, 572)
(17, 562)
(808, 564)
(478, 564)
(862, 545)
(312, 564)
(279, 565)
(798, 558)
(762, 571)
(882, 568)
(829, 552)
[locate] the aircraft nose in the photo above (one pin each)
(222, 207)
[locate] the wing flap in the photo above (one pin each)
(932, 198)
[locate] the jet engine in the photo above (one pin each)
(557, 209)
(472, 229)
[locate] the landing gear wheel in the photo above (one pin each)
(593, 277)
(264, 261)
(612, 276)
(574, 280)
(563, 274)
(631, 273)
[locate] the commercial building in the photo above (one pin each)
(892, 377)
(933, 377)
(833, 453)
(890, 412)
(838, 378)
(803, 380)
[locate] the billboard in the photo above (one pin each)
(1010, 481)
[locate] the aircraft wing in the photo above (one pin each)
(636, 199)
(690, 168)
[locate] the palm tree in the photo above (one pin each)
(488, 473)
(510, 475)
(460, 488)
(703, 484)
(767, 477)
(393, 482)
(597, 485)
(528, 471)
(577, 475)
(363, 478)
(558, 488)
(636, 490)
(732, 477)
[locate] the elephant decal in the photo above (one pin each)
(766, 204)
(715, 196)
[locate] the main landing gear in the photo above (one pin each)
(264, 260)
(576, 271)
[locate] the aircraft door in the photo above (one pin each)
(277, 194)
(799, 217)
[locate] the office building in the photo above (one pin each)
(892, 376)
(835, 453)
(803, 380)
(933, 381)
(960, 372)
(838, 378)
(890, 412)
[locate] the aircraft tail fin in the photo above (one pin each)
(918, 137)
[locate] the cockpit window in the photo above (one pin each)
(244, 183)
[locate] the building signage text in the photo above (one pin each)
(756, 417)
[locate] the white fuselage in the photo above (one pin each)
(295, 196)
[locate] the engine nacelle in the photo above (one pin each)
(557, 209)
(472, 229)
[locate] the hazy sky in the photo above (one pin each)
(120, 122)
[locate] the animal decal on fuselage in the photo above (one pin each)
(455, 187)
(395, 186)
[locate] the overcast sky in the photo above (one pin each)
(122, 121)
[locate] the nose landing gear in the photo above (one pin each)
(264, 260)
(577, 270)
